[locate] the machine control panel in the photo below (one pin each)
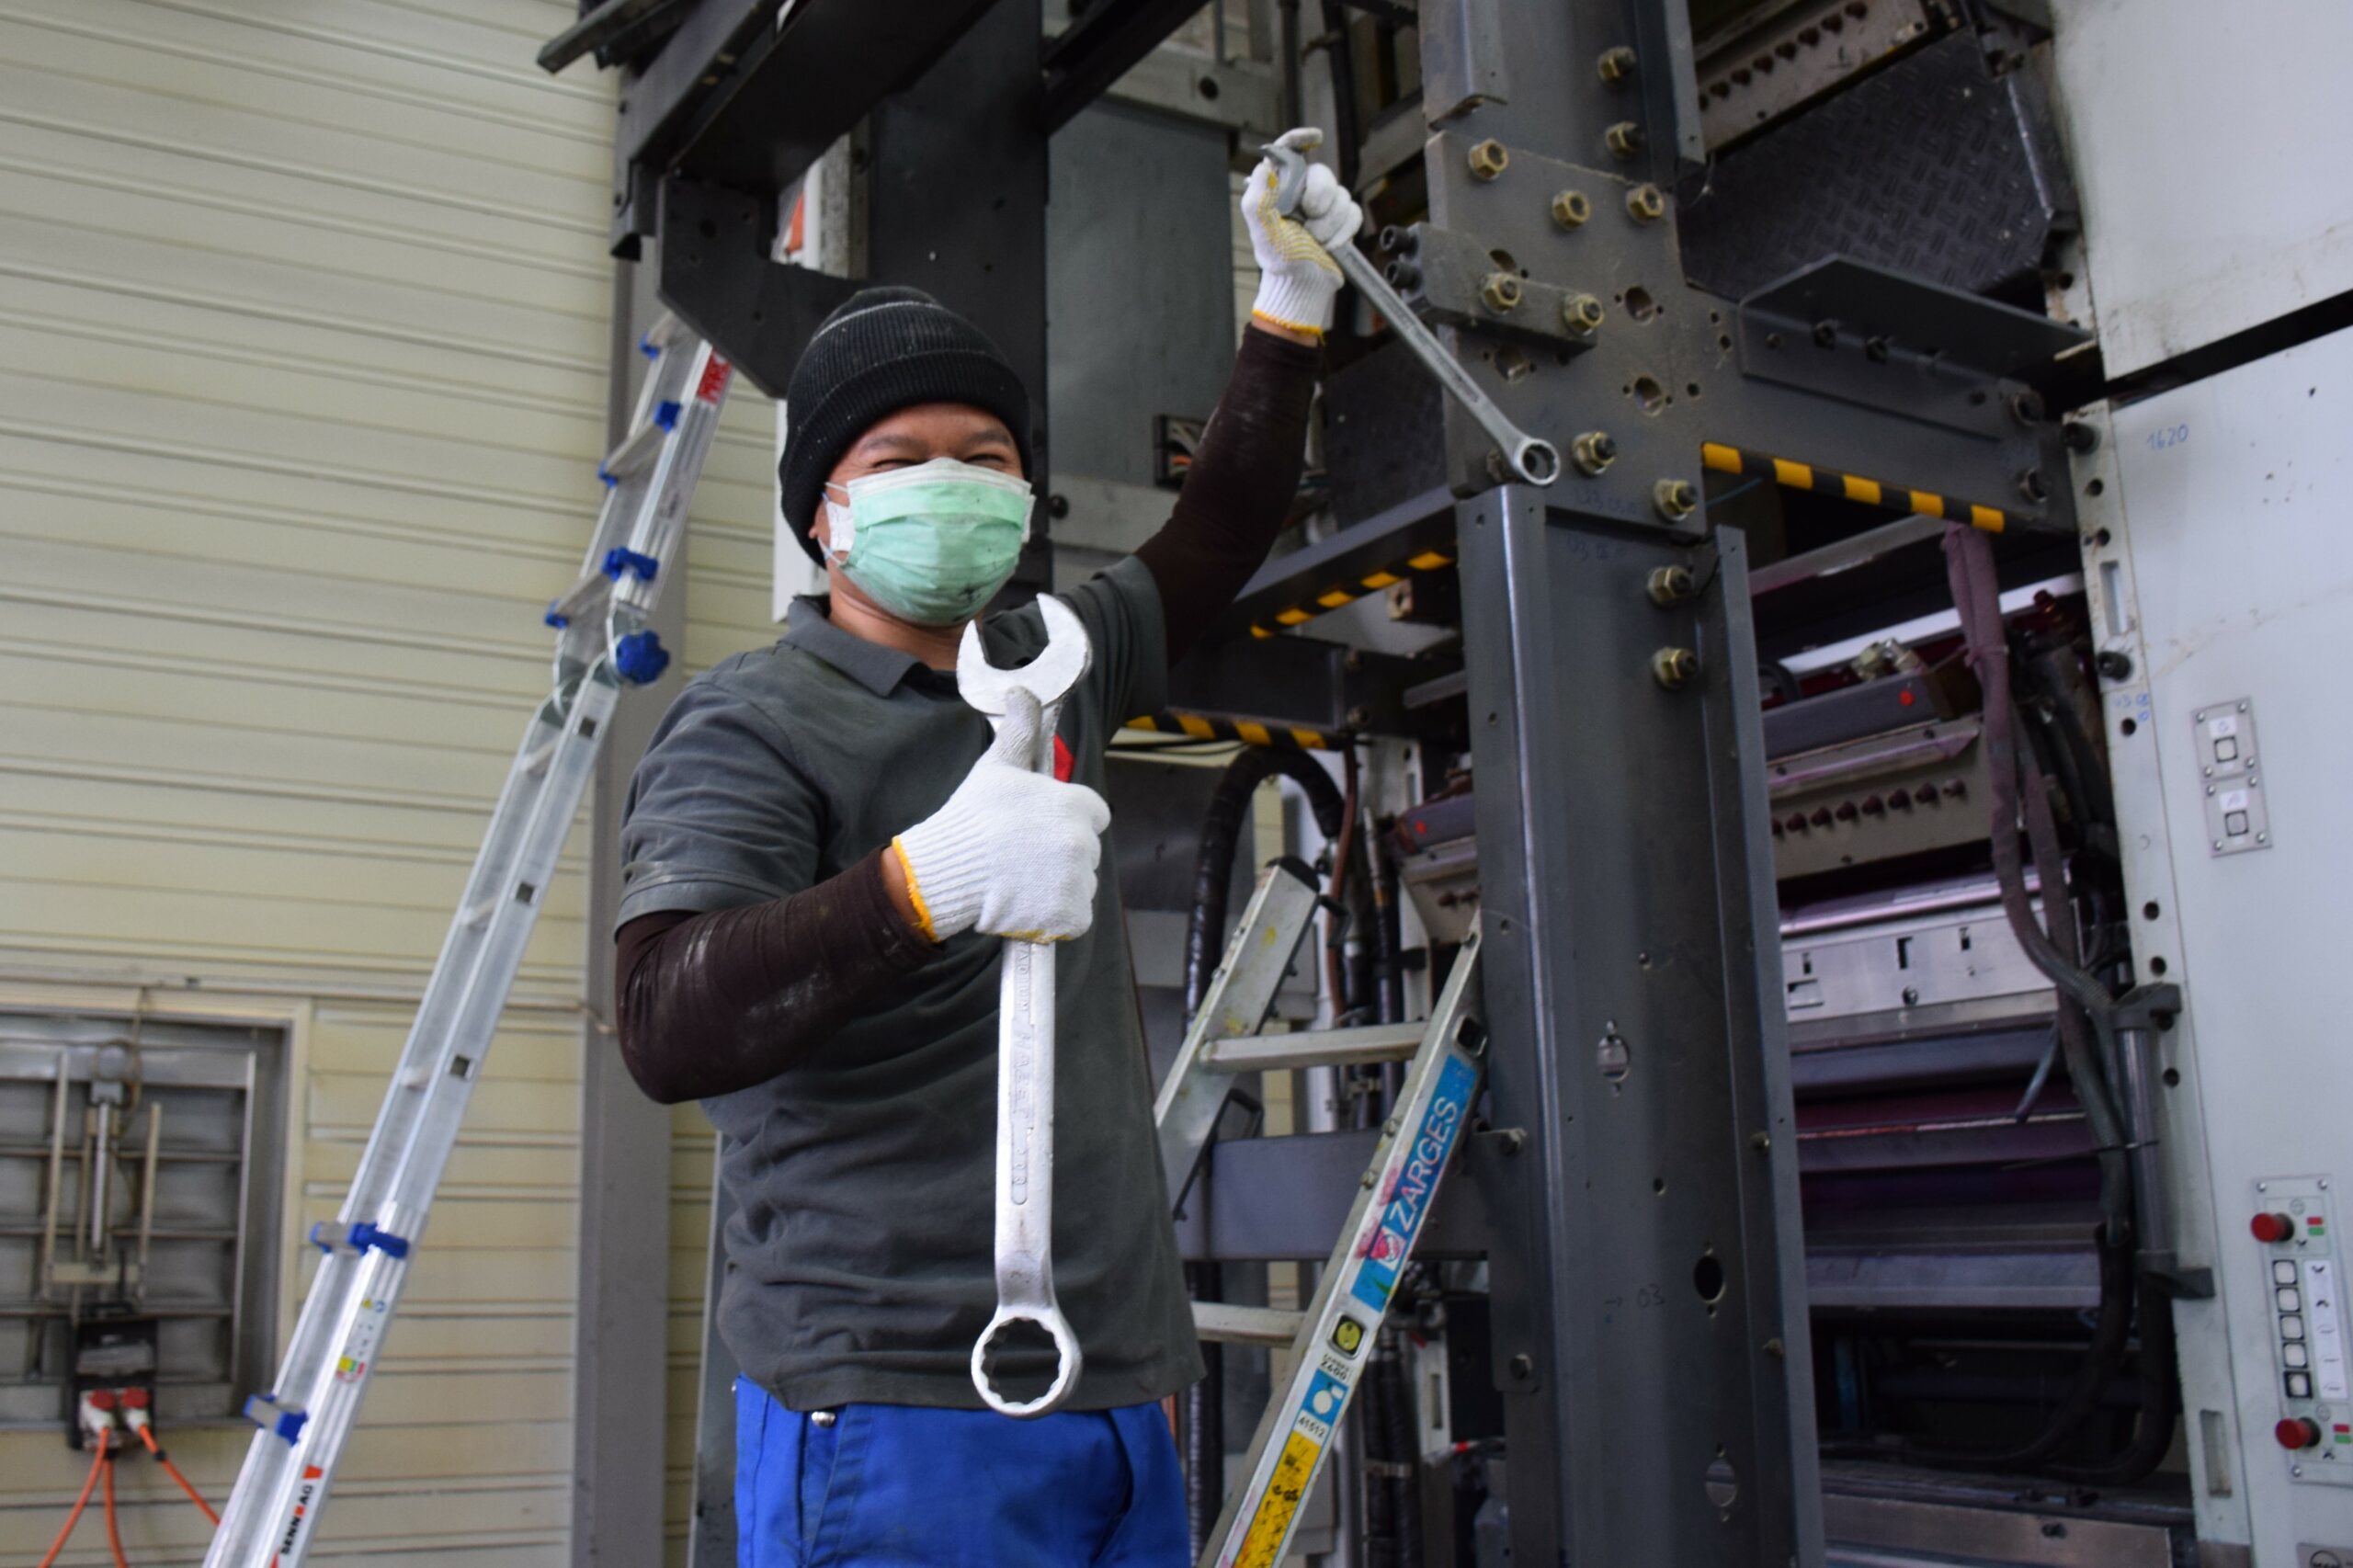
(2314, 1380)
(2237, 818)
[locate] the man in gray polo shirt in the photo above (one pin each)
(822, 851)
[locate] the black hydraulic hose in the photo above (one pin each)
(2152, 1432)
(1221, 829)
(1405, 1445)
(1205, 1419)
(2111, 1334)
(1970, 568)
(1968, 562)
(1389, 961)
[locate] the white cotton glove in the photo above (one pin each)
(1298, 280)
(1013, 853)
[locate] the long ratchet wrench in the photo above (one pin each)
(1530, 459)
(1025, 1041)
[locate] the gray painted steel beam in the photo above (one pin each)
(620, 1346)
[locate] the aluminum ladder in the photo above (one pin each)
(602, 642)
(1332, 1341)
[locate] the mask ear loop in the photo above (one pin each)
(843, 528)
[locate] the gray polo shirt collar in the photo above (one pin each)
(810, 628)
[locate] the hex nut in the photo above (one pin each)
(1571, 208)
(1675, 498)
(1580, 314)
(1675, 667)
(1616, 65)
(1488, 159)
(1670, 585)
(1402, 274)
(1646, 204)
(1593, 452)
(1623, 138)
(1500, 292)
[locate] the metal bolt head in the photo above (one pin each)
(1580, 314)
(1623, 138)
(2080, 437)
(1616, 65)
(2026, 407)
(1675, 667)
(1402, 274)
(1522, 1367)
(1675, 498)
(1593, 452)
(1500, 292)
(2114, 664)
(1826, 335)
(1669, 586)
(1760, 1140)
(1488, 159)
(2033, 487)
(1646, 204)
(1571, 208)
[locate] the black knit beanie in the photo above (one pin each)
(882, 350)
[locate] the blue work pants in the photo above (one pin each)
(903, 1486)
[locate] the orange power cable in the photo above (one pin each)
(80, 1502)
(114, 1535)
(147, 1436)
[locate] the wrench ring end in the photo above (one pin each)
(1538, 462)
(1068, 1361)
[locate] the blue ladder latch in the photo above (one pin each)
(263, 1411)
(620, 560)
(666, 416)
(555, 616)
(641, 658)
(329, 1235)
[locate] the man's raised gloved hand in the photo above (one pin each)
(1298, 279)
(1013, 853)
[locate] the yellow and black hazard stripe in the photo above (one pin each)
(1340, 593)
(1249, 733)
(1854, 487)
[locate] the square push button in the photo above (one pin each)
(2299, 1385)
(2235, 825)
(2295, 1355)
(2226, 748)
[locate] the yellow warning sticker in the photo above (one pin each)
(1263, 1545)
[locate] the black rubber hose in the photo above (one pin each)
(1404, 1443)
(2111, 1336)
(1970, 568)
(1205, 1419)
(2152, 1432)
(1220, 830)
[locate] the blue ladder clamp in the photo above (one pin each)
(641, 658)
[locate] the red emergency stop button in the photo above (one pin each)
(2295, 1432)
(2271, 1228)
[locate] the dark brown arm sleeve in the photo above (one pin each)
(1239, 489)
(709, 1004)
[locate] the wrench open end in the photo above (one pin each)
(1048, 676)
(1067, 1361)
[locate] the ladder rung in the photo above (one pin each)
(636, 446)
(1245, 1325)
(1316, 1048)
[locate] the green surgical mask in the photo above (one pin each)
(932, 543)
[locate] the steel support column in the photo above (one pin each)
(621, 1336)
(1650, 1334)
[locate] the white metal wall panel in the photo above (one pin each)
(304, 314)
(2210, 155)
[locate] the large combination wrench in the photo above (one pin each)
(1529, 458)
(1025, 1040)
